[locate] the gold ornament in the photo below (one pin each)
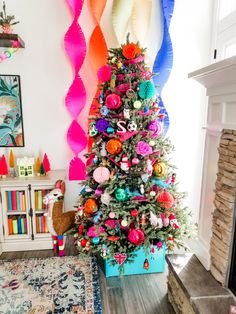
(159, 169)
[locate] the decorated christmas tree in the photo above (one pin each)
(129, 198)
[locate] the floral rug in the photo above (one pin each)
(50, 285)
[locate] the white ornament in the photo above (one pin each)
(103, 150)
(141, 189)
(126, 113)
(152, 193)
(137, 104)
(121, 125)
(152, 143)
(105, 198)
(149, 167)
(88, 189)
(125, 163)
(155, 221)
(132, 126)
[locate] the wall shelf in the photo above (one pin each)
(6, 40)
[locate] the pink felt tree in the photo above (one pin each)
(46, 163)
(3, 166)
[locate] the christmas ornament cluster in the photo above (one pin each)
(129, 198)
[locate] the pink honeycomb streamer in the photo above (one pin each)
(75, 100)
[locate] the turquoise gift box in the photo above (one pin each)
(156, 263)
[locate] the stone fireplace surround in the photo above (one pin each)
(197, 283)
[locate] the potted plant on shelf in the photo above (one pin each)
(6, 21)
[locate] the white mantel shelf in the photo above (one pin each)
(216, 74)
(220, 82)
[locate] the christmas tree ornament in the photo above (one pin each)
(101, 174)
(137, 104)
(135, 161)
(101, 98)
(112, 215)
(165, 199)
(134, 213)
(126, 113)
(143, 220)
(113, 81)
(166, 220)
(130, 93)
(121, 127)
(124, 223)
(83, 242)
(173, 178)
(155, 221)
(152, 193)
(81, 229)
(119, 64)
(121, 195)
(173, 221)
(146, 90)
(120, 258)
(143, 148)
(146, 264)
(96, 240)
(103, 151)
(136, 236)
(113, 101)
(98, 192)
(156, 128)
(125, 163)
(114, 146)
(152, 250)
(161, 116)
(141, 189)
(113, 238)
(102, 125)
(110, 130)
(104, 73)
(95, 160)
(152, 143)
(159, 244)
(97, 217)
(104, 111)
(159, 169)
(92, 129)
(104, 251)
(95, 231)
(146, 109)
(132, 126)
(90, 206)
(131, 50)
(106, 198)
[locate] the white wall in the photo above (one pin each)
(46, 76)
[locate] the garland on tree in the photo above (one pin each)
(129, 198)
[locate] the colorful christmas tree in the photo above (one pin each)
(130, 197)
(46, 163)
(3, 166)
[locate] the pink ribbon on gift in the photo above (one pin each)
(75, 100)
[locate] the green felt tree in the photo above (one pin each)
(42, 170)
(130, 197)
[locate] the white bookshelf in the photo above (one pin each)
(30, 226)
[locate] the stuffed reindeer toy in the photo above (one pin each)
(58, 221)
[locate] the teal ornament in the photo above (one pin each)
(121, 195)
(146, 90)
(110, 130)
(96, 240)
(160, 183)
(104, 110)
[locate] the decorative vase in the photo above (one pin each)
(6, 29)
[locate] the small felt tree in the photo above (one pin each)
(11, 159)
(46, 163)
(37, 165)
(3, 167)
(42, 171)
(130, 198)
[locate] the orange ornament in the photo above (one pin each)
(114, 146)
(90, 206)
(130, 51)
(159, 169)
(165, 199)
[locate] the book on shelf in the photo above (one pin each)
(15, 200)
(13, 196)
(17, 225)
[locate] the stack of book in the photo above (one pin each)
(17, 224)
(16, 201)
(39, 199)
(41, 223)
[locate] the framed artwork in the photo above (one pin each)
(11, 122)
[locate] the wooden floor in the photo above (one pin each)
(140, 294)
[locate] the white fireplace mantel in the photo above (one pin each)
(220, 82)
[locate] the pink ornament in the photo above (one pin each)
(165, 220)
(156, 127)
(136, 236)
(112, 223)
(104, 73)
(135, 161)
(113, 101)
(101, 174)
(98, 192)
(159, 244)
(143, 148)
(94, 231)
(112, 215)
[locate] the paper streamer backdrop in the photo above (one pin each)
(164, 58)
(75, 46)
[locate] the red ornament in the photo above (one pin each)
(46, 163)
(136, 236)
(113, 238)
(134, 213)
(165, 199)
(83, 242)
(3, 166)
(146, 264)
(113, 101)
(90, 206)
(120, 258)
(161, 116)
(81, 229)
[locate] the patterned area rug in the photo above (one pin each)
(50, 285)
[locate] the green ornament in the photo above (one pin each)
(92, 129)
(146, 90)
(121, 195)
